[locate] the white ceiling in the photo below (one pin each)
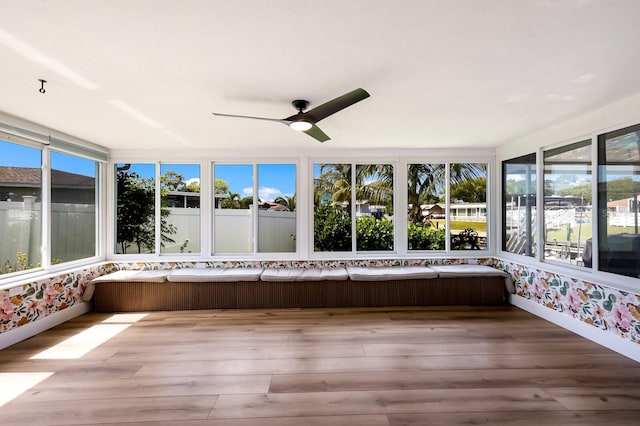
(457, 73)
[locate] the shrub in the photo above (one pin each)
(374, 234)
(422, 237)
(331, 229)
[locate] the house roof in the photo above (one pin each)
(146, 75)
(31, 177)
(624, 202)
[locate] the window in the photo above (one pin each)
(351, 197)
(468, 206)
(180, 190)
(332, 199)
(135, 209)
(374, 207)
(426, 206)
(277, 208)
(20, 207)
(255, 210)
(618, 196)
(519, 205)
(567, 203)
(233, 220)
(73, 207)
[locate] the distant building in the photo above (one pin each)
(624, 205)
(69, 188)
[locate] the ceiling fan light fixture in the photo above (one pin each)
(300, 126)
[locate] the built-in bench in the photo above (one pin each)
(351, 286)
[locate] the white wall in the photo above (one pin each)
(623, 113)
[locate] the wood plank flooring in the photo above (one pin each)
(348, 366)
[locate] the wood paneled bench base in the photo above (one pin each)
(124, 296)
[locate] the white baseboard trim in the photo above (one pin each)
(602, 337)
(23, 332)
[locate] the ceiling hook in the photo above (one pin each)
(42, 82)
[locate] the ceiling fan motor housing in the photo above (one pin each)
(300, 104)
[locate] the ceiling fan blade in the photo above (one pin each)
(278, 120)
(341, 102)
(317, 134)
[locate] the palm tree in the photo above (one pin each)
(334, 183)
(232, 201)
(426, 181)
(374, 182)
(287, 201)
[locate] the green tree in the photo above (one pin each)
(172, 181)
(374, 182)
(334, 184)
(232, 201)
(136, 213)
(425, 183)
(193, 186)
(246, 202)
(287, 201)
(617, 189)
(220, 186)
(470, 190)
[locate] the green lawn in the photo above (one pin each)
(461, 225)
(583, 230)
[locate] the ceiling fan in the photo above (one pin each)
(306, 121)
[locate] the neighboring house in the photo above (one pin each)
(363, 208)
(624, 205)
(187, 199)
(433, 211)
(71, 188)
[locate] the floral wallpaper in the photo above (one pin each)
(301, 263)
(603, 307)
(43, 297)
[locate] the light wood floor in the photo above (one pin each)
(374, 367)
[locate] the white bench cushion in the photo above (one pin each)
(282, 275)
(386, 273)
(466, 270)
(131, 276)
(136, 276)
(198, 275)
(304, 274)
(324, 274)
(215, 275)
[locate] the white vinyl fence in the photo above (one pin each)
(72, 232)
(233, 231)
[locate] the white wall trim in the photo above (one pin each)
(602, 337)
(26, 331)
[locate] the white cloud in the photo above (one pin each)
(265, 193)
(269, 194)
(192, 180)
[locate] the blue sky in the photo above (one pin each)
(23, 156)
(274, 179)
